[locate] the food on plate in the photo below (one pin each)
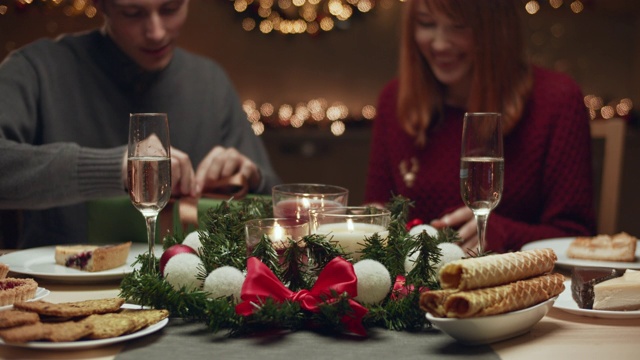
(4, 270)
(92, 257)
(584, 278)
(480, 272)
(13, 290)
(618, 247)
(71, 309)
(11, 318)
(622, 293)
(494, 300)
(61, 322)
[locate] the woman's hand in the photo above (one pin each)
(463, 220)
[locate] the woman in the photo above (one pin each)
(461, 56)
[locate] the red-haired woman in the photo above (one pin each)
(460, 56)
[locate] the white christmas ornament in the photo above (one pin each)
(224, 281)
(182, 270)
(193, 240)
(449, 252)
(374, 281)
(431, 231)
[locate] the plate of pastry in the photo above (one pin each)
(76, 263)
(121, 322)
(608, 251)
(598, 293)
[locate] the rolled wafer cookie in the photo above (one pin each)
(493, 300)
(492, 270)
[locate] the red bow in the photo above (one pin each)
(338, 276)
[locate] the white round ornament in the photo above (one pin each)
(224, 281)
(431, 231)
(182, 270)
(374, 281)
(449, 252)
(193, 240)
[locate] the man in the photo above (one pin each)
(64, 112)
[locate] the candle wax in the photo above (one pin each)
(350, 236)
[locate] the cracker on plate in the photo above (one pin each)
(72, 309)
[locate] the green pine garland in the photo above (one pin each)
(223, 240)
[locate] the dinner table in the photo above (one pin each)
(559, 334)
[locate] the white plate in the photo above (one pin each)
(566, 303)
(40, 293)
(40, 262)
(490, 329)
(560, 246)
(84, 344)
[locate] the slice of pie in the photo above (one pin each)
(618, 247)
(92, 257)
(622, 293)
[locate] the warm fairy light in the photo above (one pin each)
(258, 128)
(532, 7)
(285, 111)
(607, 112)
(301, 16)
(577, 6)
(337, 128)
(555, 3)
(3, 9)
(266, 109)
(369, 112)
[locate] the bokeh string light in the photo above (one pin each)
(317, 16)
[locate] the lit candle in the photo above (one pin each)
(350, 235)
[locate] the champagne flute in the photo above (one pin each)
(149, 170)
(481, 167)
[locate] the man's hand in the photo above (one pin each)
(222, 163)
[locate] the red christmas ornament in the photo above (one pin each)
(412, 223)
(174, 250)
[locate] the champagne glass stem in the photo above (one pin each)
(151, 239)
(481, 220)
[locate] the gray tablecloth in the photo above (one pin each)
(180, 340)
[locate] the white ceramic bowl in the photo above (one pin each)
(489, 329)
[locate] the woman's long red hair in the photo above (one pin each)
(501, 80)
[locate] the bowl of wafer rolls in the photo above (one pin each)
(492, 298)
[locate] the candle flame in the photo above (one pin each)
(350, 226)
(278, 233)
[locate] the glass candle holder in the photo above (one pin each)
(295, 200)
(348, 226)
(278, 230)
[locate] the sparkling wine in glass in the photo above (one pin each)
(481, 167)
(149, 169)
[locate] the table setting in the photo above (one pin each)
(303, 271)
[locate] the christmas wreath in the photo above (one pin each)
(314, 286)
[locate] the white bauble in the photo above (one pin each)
(374, 281)
(449, 252)
(224, 281)
(431, 231)
(193, 240)
(182, 270)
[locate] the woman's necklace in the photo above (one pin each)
(409, 175)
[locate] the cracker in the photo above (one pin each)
(109, 325)
(67, 331)
(145, 317)
(24, 333)
(72, 309)
(11, 318)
